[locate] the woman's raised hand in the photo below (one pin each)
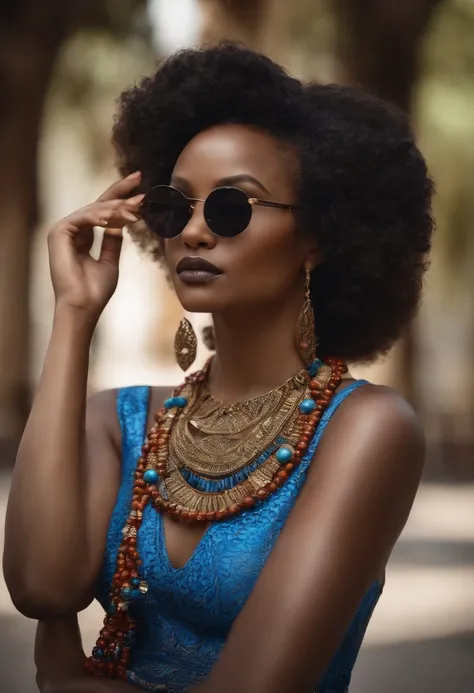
(80, 282)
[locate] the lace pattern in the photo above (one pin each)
(188, 612)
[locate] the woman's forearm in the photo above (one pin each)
(59, 659)
(45, 527)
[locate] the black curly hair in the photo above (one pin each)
(363, 185)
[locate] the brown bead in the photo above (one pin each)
(184, 514)
(277, 481)
(222, 514)
(262, 493)
(136, 505)
(304, 438)
(301, 446)
(201, 517)
(282, 474)
(211, 516)
(132, 541)
(289, 466)
(271, 487)
(234, 509)
(140, 483)
(192, 516)
(327, 393)
(172, 507)
(125, 574)
(298, 454)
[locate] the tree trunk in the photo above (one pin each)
(31, 35)
(241, 20)
(26, 63)
(379, 48)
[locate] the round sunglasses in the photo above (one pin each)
(227, 210)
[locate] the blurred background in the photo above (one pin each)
(62, 66)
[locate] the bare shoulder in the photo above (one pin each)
(374, 432)
(102, 416)
(379, 405)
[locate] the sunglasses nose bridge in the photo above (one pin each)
(197, 233)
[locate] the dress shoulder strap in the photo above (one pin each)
(336, 401)
(132, 412)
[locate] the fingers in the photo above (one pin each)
(113, 214)
(122, 188)
(111, 247)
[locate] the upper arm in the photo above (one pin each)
(336, 541)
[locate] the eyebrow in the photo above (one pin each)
(228, 180)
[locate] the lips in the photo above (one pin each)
(197, 264)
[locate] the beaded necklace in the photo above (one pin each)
(152, 484)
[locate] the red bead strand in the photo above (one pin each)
(111, 655)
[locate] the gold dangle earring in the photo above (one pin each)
(306, 340)
(185, 345)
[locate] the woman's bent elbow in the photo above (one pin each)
(47, 604)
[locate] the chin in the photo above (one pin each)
(196, 299)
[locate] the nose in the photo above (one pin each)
(196, 233)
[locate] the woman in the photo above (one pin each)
(241, 544)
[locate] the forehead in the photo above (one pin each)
(231, 149)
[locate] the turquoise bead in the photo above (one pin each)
(284, 454)
(135, 583)
(136, 594)
(126, 593)
(172, 402)
(314, 367)
(150, 476)
(307, 406)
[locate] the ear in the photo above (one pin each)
(313, 259)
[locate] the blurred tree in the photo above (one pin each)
(242, 20)
(257, 23)
(379, 47)
(32, 33)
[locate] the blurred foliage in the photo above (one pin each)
(449, 46)
(445, 106)
(94, 66)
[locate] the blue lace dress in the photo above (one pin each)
(188, 612)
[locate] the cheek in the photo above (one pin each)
(268, 256)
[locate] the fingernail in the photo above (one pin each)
(130, 216)
(136, 174)
(135, 199)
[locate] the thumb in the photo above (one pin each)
(111, 247)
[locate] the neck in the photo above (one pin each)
(255, 352)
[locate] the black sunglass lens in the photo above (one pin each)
(165, 211)
(227, 211)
